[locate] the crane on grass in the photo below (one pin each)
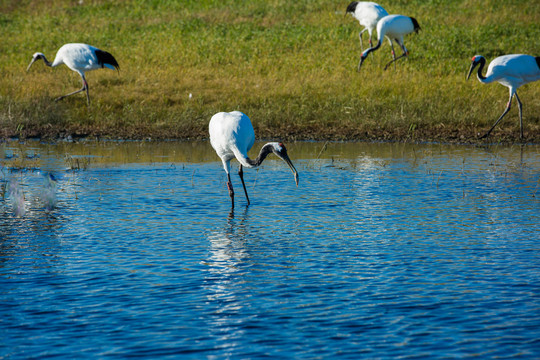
(395, 27)
(511, 71)
(80, 58)
(368, 15)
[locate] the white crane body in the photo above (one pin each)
(368, 15)
(512, 71)
(232, 136)
(394, 27)
(80, 58)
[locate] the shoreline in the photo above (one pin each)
(456, 136)
(460, 140)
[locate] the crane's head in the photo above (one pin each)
(363, 57)
(281, 151)
(476, 59)
(36, 57)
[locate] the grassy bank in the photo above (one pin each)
(291, 66)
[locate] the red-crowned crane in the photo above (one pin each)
(368, 14)
(79, 58)
(511, 71)
(394, 27)
(232, 136)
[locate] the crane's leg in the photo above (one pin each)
(87, 95)
(393, 52)
(241, 174)
(520, 117)
(85, 87)
(231, 191)
(360, 35)
(500, 118)
(405, 53)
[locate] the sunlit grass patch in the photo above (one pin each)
(291, 66)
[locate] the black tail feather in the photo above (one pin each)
(416, 25)
(538, 61)
(106, 58)
(352, 7)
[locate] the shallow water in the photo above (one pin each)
(382, 251)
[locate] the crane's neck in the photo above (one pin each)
(47, 62)
(266, 150)
(480, 69)
(379, 43)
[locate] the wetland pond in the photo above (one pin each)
(120, 249)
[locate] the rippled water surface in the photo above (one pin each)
(382, 251)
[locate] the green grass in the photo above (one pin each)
(291, 66)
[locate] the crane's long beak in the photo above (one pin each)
(31, 62)
(473, 65)
(360, 62)
(293, 169)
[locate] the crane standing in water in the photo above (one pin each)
(232, 136)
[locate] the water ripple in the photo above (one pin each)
(412, 256)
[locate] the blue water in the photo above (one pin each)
(388, 251)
